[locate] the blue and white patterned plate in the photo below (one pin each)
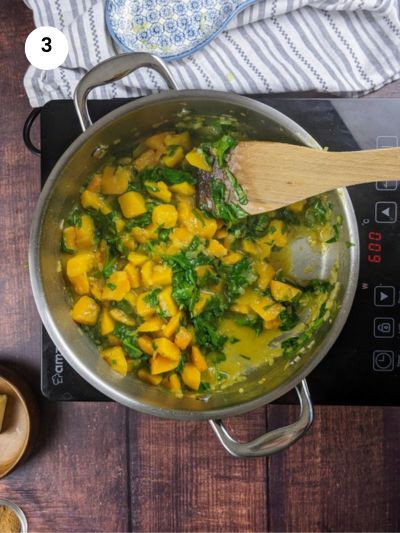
(170, 29)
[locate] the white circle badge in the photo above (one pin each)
(46, 48)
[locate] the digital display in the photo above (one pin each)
(374, 246)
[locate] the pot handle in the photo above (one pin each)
(273, 441)
(114, 69)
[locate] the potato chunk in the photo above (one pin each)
(115, 357)
(132, 204)
(165, 216)
(80, 264)
(191, 376)
(283, 292)
(115, 181)
(85, 311)
(198, 359)
(167, 349)
(116, 287)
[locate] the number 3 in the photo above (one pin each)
(47, 45)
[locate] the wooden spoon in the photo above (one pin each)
(274, 175)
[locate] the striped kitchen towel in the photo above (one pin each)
(350, 47)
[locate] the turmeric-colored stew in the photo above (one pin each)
(188, 299)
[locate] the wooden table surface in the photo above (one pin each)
(101, 467)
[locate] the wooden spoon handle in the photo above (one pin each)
(277, 174)
(342, 169)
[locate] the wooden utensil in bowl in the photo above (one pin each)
(274, 175)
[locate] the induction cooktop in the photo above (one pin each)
(363, 366)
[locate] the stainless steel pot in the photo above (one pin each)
(62, 188)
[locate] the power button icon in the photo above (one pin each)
(383, 361)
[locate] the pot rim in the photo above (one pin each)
(96, 381)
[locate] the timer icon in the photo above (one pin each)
(383, 360)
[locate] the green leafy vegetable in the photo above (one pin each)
(292, 346)
(64, 248)
(222, 147)
(128, 338)
(152, 298)
(242, 196)
(170, 176)
(336, 229)
(237, 278)
(206, 325)
(317, 213)
(217, 357)
(318, 285)
(74, 218)
(93, 332)
(143, 220)
(227, 212)
(287, 216)
(289, 318)
(109, 267)
(251, 321)
(252, 227)
(124, 306)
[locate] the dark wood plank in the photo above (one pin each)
(183, 480)
(77, 479)
(342, 476)
(19, 188)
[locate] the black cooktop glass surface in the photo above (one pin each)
(363, 367)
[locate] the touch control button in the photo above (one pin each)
(385, 212)
(384, 296)
(387, 141)
(383, 361)
(384, 327)
(386, 185)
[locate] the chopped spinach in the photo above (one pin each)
(142, 220)
(336, 229)
(251, 321)
(64, 248)
(206, 324)
(252, 227)
(292, 346)
(318, 285)
(242, 196)
(93, 332)
(170, 176)
(109, 267)
(222, 147)
(217, 357)
(227, 212)
(289, 318)
(287, 216)
(237, 278)
(128, 338)
(164, 234)
(74, 218)
(124, 306)
(152, 298)
(317, 212)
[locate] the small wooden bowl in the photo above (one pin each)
(20, 421)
